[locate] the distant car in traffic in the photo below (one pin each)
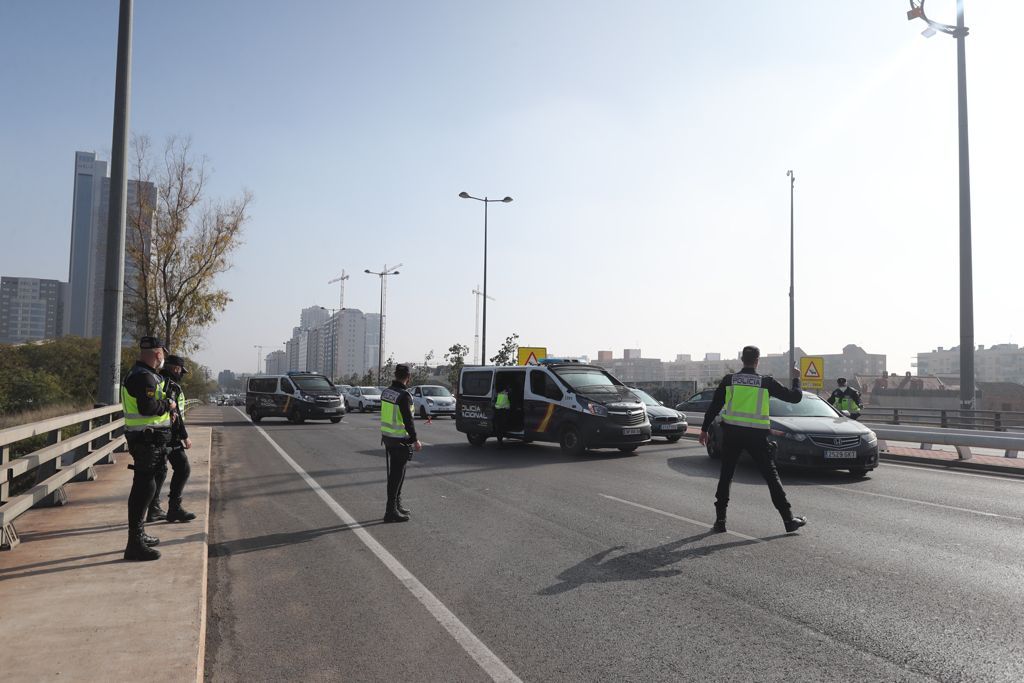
(698, 403)
(431, 400)
(665, 421)
(363, 399)
(813, 434)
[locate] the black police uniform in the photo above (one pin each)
(149, 451)
(178, 459)
(754, 441)
(399, 453)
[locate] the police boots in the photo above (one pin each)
(392, 514)
(156, 513)
(719, 525)
(176, 513)
(794, 523)
(401, 508)
(137, 550)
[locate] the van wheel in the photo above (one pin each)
(423, 413)
(335, 420)
(627, 449)
(295, 417)
(571, 442)
(476, 439)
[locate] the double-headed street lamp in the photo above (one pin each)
(959, 31)
(259, 355)
(383, 275)
(486, 201)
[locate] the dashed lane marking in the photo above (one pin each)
(679, 517)
(473, 646)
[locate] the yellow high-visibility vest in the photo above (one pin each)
(392, 423)
(133, 420)
(746, 402)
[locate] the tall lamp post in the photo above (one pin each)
(959, 32)
(259, 354)
(792, 305)
(486, 201)
(383, 275)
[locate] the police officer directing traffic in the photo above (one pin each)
(147, 426)
(398, 434)
(846, 398)
(173, 371)
(743, 400)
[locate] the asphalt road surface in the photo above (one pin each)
(523, 563)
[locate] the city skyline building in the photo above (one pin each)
(31, 309)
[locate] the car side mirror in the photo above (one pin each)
(661, 403)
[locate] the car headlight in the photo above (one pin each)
(792, 436)
(430, 401)
(869, 438)
(593, 408)
(306, 397)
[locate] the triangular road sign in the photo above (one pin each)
(812, 371)
(532, 359)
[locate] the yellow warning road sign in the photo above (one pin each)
(812, 372)
(531, 355)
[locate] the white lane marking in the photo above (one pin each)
(675, 516)
(919, 502)
(473, 646)
(944, 469)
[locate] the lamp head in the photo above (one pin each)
(367, 270)
(506, 200)
(464, 195)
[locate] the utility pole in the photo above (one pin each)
(113, 283)
(383, 275)
(792, 305)
(476, 327)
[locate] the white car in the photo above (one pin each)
(362, 399)
(432, 400)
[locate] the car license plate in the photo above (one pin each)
(330, 410)
(630, 432)
(840, 455)
(670, 428)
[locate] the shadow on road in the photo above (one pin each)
(746, 472)
(652, 563)
(280, 540)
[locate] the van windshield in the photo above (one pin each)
(594, 383)
(312, 383)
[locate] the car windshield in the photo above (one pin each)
(435, 391)
(313, 383)
(369, 390)
(645, 397)
(810, 406)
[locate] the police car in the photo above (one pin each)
(575, 405)
(296, 396)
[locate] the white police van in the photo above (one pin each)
(575, 405)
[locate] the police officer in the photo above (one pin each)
(147, 426)
(398, 434)
(742, 398)
(502, 408)
(846, 398)
(173, 371)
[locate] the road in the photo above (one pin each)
(522, 563)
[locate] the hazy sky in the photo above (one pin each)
(645, 143)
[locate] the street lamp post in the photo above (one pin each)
(383, 275)
(959, 32)
(259, 355)
(792, 292)
(486, 201)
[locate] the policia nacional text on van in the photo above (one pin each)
(148, 414)
(743, 400)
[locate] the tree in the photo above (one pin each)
(456, 359)
(508, 354)
(178, 242)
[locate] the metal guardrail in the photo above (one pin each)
(963, 440)
(59, 461)
(991, 420)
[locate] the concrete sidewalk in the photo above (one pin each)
(71, 609)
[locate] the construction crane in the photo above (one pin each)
(341, 278)
(476, 328)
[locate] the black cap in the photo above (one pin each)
(750, 353)
(841, 380)
(176, 360)
(152, 343)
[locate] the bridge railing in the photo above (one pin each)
(64, 449)
(989, 420)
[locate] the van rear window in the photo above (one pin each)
(263, 385)
(477, 383)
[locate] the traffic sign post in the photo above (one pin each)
(531, 355)
(812, 372)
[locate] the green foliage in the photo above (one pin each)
(456, 359)
(508, 354)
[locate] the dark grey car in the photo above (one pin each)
(665, 422)
(813, 434)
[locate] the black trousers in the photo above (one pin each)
(501, 422)
(150, 456)
(755, 442)
(398, 456)
(182, 470)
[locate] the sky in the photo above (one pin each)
(645, 145)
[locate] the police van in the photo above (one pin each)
(575, 405)
(296, 396)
